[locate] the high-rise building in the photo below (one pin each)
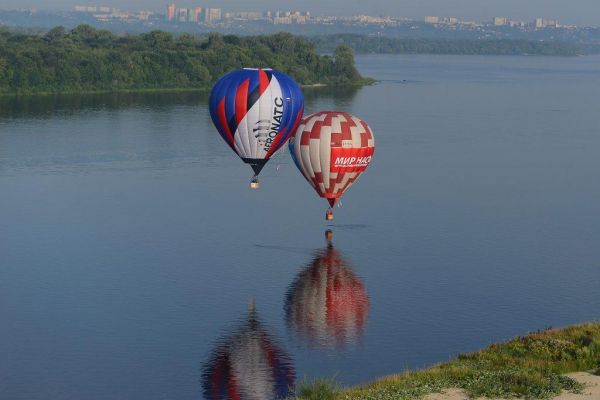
(500, 21)
(212, 15)
(195, 14)
(171, 12)
(432, 20)
(541, 23)
(182, 14)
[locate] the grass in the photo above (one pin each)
(318, 389)
(531, 367)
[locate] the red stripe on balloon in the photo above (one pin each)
(223, 122)
(364, 139)
(297, 122)
(276, 143)
(241, 101)
(319, 177)
(346, 124)
(306, 135)
(263, 81)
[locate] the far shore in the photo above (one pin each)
(554, 363)
(106, 91)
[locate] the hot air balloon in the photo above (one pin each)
(256, 110)
(327, 304)
(332, 149)
(248, 364)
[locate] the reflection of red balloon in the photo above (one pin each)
(248, 365)
(327, 302)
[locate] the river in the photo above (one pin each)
(135, 262)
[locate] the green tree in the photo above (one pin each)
(86, 58)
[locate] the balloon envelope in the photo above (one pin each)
(256, 111)
(332, 149)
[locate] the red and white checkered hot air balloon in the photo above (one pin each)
(332, 149)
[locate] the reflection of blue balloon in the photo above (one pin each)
(248, 365)
(256, 111)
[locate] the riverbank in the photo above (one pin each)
(107, 91)
(362, 82)
(533, 366)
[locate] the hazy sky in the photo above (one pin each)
(570, 11)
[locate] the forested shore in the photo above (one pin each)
(86, 59)
(388, 45)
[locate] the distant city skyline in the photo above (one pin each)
(581, 12)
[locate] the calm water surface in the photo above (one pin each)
(135, 263)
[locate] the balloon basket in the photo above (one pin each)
(329, 215)
(254, 184)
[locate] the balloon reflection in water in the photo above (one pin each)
(327, 303)
(248, 364)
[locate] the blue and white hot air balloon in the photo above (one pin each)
(256, 111)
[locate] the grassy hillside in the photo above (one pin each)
(531, 367)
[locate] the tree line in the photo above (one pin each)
(390, 45)
(89, 59)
